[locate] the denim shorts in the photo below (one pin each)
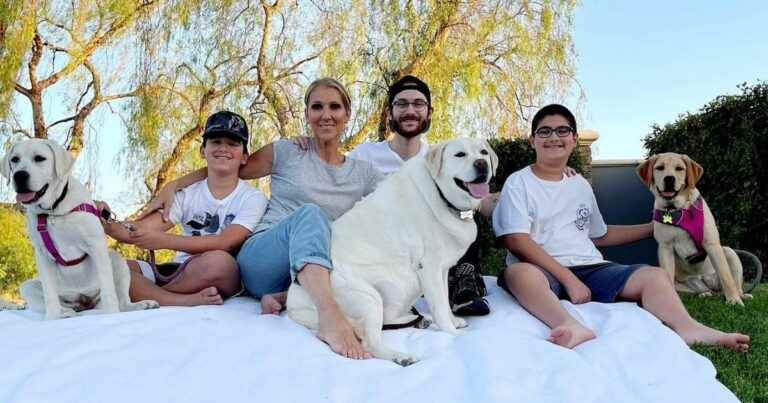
(605, 280)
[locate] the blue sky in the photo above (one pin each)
(648, 62)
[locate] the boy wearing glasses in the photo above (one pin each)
(551, 227)
(216, 215)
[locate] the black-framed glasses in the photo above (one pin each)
(560, 131)
(402, 104)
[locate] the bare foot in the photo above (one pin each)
(335, 331)
(206, 296)
(570, 334)
(700, 334)
(273, 304)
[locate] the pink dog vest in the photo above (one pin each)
(690, 219)
(42, 228)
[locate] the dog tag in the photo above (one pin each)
(467, 215)
(666, 218)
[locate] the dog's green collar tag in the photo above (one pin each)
(666, 218)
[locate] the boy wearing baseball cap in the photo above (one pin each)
(216, 215)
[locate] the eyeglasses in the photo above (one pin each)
(402, 104)
(546, 131)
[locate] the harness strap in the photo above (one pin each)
(691, 220)
(42, 228)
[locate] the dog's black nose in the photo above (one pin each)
(669, 183)
(21, 179)
(482, 166)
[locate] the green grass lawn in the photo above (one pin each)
(744, 374)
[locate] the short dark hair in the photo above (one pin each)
(549, 110)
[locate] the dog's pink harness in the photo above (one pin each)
(691, 220)
(42, 228)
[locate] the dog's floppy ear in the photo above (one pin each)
(5, 168)
(693, 172)
(435, 159)
(645, 170)
(494, 157)
(62, 159)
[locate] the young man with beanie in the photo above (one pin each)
(551, 226)
(409, 114)
(216, 215)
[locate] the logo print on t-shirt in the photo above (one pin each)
(582, 217)
(204, 221)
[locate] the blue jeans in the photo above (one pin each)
(270, 259)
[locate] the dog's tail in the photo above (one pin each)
(751, 261)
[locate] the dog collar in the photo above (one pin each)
(462, 214)
(42, 228)
(690, 219)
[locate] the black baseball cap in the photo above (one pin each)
(226, 123)
(409, 83)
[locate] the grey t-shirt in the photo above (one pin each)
(300, 177)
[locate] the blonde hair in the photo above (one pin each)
(330, 83)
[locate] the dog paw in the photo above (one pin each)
(404, 360)
(746, 296)
(424, 323)
(143, 305)
(705, 294)
(734, 301)
(460, 323)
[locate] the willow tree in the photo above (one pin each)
(63, 58)
(198, 56)
(488, 63)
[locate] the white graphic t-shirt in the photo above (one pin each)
(199, 213)
(561, 216)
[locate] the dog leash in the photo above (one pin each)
(111, 218)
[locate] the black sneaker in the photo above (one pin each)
(466, 290)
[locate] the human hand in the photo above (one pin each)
(578, 292)
(568, 171)
(105, 212)
(162, 202)
(150, 240)
(302, 142)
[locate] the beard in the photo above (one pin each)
(421, 128)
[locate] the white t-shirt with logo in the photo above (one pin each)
(560, 216)
(199, 213)
(382, 156)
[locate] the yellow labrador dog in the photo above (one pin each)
(399, 242)
(76, 272)
(689, 243)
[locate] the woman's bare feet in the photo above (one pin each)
(335, 331)
(700, 334)
(206, 296)
(570, 334)
(273, 304)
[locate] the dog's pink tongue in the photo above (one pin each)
(25, 197)
(478, 190)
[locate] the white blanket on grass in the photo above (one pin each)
(230, 353)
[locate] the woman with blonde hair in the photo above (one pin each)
(309, 190)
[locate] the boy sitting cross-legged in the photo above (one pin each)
(216, 215)
(551, 225)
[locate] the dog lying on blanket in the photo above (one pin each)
(689, 243)
(399, 242)
(63, 224)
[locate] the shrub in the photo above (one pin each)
(729, 138)
(17, 258)
(514, 154)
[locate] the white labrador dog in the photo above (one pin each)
(682, 220)
(399, 242)
(64, 228)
